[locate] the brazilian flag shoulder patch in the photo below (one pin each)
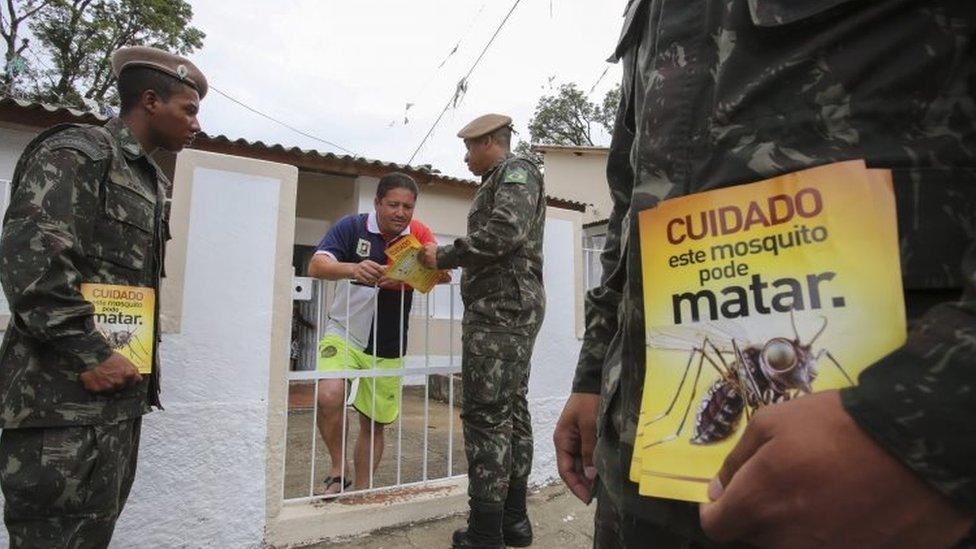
(517, 175)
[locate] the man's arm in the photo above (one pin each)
(602, 301)
(331, 259)
(508, 225)
(51, 215)
(919, 403)
(326, 267)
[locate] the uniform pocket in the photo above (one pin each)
(505, 346)
(487, 382)
(124, 229)
(54, 473)
(494, 301)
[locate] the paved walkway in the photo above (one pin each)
(559, 520)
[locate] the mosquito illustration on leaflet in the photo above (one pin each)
(752, 374)
(126, 340)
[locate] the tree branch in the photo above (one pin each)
(30, 13)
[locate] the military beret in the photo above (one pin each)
(178, 67)
(483, 125)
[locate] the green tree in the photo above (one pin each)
(79, 36)
(14, 17)
(568, 117)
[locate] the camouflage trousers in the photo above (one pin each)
(624, 518)
(65, 486)
(616, 528)
(495, 412)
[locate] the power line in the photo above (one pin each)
(598, 80)
(286, 125)
(464, 35)
(462, 84)
(457, 45)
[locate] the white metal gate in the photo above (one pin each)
(416, 365)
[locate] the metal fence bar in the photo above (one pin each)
(345, 398)
(372, 420)
(403, 300)
(284, 457)
(298, 376)
(295, 501)
(426, 383)
(450, 390)
(315, 437)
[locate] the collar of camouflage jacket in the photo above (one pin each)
(130, 146)
(494, 166)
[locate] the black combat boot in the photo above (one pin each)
(515, 523)
(484, 529)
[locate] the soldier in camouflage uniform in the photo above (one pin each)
(723, 92)
(87, 205)
(504, 303)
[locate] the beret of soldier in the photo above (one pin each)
(483, 125)
(178, 67)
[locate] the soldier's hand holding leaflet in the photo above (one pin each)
(428, 256)
(114, 374)
(803, 474)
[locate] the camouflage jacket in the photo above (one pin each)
(501, 284)
(723, 92)
(86, 206)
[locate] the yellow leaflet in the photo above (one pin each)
(125, 316)
(406, 266)
(756, 294)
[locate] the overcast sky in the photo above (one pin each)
(344, 70)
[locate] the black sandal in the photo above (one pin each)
(332, 481)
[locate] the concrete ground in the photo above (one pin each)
(559, 521)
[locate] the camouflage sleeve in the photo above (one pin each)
(508, 224)
(49, 216)
(919, 403)
(602, 301)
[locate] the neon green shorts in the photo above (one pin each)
(335, 356)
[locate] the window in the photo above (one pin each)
(592, 268)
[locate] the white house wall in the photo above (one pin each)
(201, 479)
(12, 143)
(581, 177)
(557, 347)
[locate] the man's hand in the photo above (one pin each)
(428, 256)
(805, 475)
(368, 272)
(444, 277)
(575, 437)
(116, 373)
(390, 283)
